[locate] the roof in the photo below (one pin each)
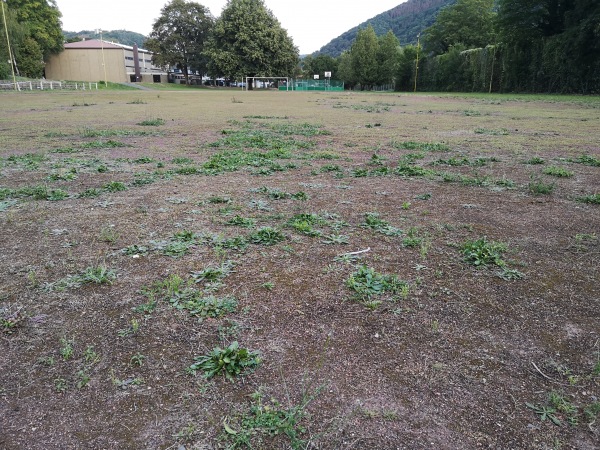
(96, 44)
(92, 43)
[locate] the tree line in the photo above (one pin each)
(405, 20)
(121, 36)
(473, 45)
(246, 40)
(492, 46)
(34, 32)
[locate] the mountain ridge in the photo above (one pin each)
(406, 21)
(124, 37)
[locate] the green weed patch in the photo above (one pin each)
(482, 252)
(261, 139)
(593, 199)
(421, 146)
(231, 361)
(104, 144)
(233, 160)
(366, 283)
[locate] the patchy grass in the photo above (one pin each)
(555, 171)
(538, 186)
(482, 252)
(421, 146)
(365, 283)
(587, 160)
(231, 361)
(152, 122)
(332, 236)
(267, 417)
(92, 274)
(593, 199)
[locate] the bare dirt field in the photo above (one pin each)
(224, 269)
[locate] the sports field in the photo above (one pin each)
(220, 268)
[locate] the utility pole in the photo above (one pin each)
(12, 67)
(417, 63)
(103, 61)
(493, 61)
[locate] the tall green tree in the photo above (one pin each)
(249, 41)
(306, 65)
(364, 57)
(320, 64)
(179, 36)
(345, 70)
(16, 34)
(539, 46)
(30, 57)
(550, 45)
(388, 54)
(467, 22)
(405, 69)
(42, 20)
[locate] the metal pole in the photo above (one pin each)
(103, 61)
(12, 67)
(492, 75)
(417, 63)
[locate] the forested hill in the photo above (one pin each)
(120, 36)
(406, 21)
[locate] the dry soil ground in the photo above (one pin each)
(414, 271)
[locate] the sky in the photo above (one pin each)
(310, 23)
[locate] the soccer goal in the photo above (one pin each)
(267, 83)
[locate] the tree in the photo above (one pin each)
(320, 64)
(16, 35)
(406, 21)
(405, 70)
(249, 41)
(42, 19)
(306, 65)
(387, 58)
(550, 45)
(121, 36)
(5, 70)
(345, 71)
(467, 22)
(179, 36)
(364, 57)
(30, 57)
